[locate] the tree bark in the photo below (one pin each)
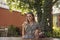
(47, 16)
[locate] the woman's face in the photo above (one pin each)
(29, 17)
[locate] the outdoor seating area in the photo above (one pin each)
(29, 19)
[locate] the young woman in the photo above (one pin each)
(30, 28)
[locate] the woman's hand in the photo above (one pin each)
(24, 24)
(37, 34)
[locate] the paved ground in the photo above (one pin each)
(19, 38)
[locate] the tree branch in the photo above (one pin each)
(55, 2)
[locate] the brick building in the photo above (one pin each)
(8, 18)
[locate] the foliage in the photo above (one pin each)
(26, 5)
(23, 5)
(58, 4)
(13, 31)
(54, 34)
(37, 6)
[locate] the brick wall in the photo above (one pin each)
(10, 18)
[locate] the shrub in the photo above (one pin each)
(13, 31)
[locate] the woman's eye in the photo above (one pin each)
(28, 16)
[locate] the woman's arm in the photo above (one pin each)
(37, 32)
(22, 30)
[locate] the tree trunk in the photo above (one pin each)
(47, 16)
(38, 7)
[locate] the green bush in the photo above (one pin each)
(13, 31)
(55, 33)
